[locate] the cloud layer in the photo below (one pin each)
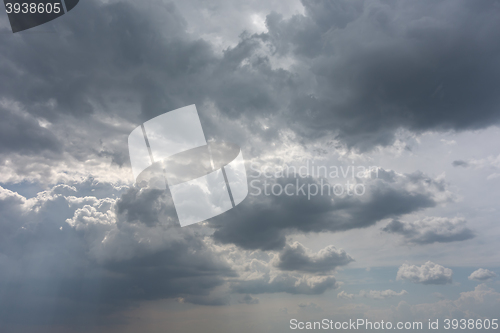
(79, 243)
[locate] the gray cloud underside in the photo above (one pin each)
(431, 230)
(295, 257)
(52, 272)
(262, 222)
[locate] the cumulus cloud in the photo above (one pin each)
(428, 273)
(296, 257)
(124, 261)
(431, 230)
(460, 163)
(258, 273)
(482, 275)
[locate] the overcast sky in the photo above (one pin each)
(409, 87)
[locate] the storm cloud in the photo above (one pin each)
(382, 65)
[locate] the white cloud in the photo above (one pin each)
(428, 273)
(482, 275)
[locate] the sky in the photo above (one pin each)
(398, 98)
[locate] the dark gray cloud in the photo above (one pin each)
(22, 134)
(146, 206)
(460, 163)
(262, 222)
(91, 66)
(361, 69)
(102, 69)
(295, 257)
(384, 65)
(431, 230)
(134, 62)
